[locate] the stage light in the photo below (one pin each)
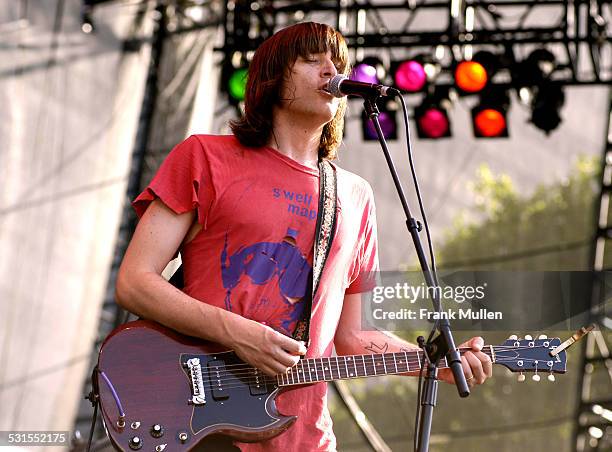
(388, 122)
(410, 76)
(489, 122)
(368, 70)
(489, 116)
(474, 75)
(413, 75)
(534, 70)
(431, 116)
(236, 84)
(546, 107)
(432, 122)
(470, 76)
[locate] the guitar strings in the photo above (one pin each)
(486, 350)
(245, 382)
(377, 358)
(250, 378)
(332, 361)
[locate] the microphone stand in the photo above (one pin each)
(443, 345)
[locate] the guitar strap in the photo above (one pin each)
(324, 234)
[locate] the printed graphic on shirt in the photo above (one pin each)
(297, 203)
(278, 265)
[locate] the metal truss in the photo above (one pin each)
(577, 31)
(593, 427)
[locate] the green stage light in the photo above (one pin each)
(236, 85)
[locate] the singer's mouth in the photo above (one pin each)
(325, 88)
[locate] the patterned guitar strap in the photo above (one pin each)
(324, 234)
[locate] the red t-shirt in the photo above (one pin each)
(258, 209)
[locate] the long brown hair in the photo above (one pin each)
(271, 63)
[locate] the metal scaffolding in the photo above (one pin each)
(577, 31)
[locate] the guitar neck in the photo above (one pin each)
(315, 370)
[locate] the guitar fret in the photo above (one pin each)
(395, 363)
(316, 371)
(407, 361)
(338, 367)
(384, 363)
(346, 366)
(300, 370)
(329, 367)
(419, 358)
(373, 364)
(355, 365)
(365, 372)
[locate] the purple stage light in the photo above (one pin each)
(364, 73)
(387, 125)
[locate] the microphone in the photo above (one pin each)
(341, 85)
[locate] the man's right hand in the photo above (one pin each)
(264, 348)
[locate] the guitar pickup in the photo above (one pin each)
(217, 373)
(257, 385)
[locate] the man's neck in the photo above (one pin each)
(297, 141)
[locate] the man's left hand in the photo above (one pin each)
(477, 366)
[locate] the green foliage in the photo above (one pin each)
(551, 229)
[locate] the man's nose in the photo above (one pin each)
(329, 69)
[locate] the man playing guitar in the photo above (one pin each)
(242, 210)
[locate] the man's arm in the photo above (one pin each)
(351, 339)
(141, 290)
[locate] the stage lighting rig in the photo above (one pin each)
(388, 121)
(369, 70)
(414, 74)
(431, 117)
(489, 117)
(473, 76)
(546, 107)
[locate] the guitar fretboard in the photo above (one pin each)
(314, 370)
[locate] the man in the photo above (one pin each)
(242, 210)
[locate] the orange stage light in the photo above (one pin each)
(471, 76)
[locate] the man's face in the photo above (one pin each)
(303, 91)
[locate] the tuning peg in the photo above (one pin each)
(542, 336)
(521, 377)
(551, 377)
(535, 377)
(528, 337)
(513, 337)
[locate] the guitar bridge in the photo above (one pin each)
(197, 382)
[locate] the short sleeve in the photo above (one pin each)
(183, 182)
(364, 275)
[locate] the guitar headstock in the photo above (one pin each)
(531, 355)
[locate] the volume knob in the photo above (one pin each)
(135, 443)
(157, 431)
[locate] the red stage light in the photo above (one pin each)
(490, 123)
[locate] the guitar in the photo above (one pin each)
(161, 390)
